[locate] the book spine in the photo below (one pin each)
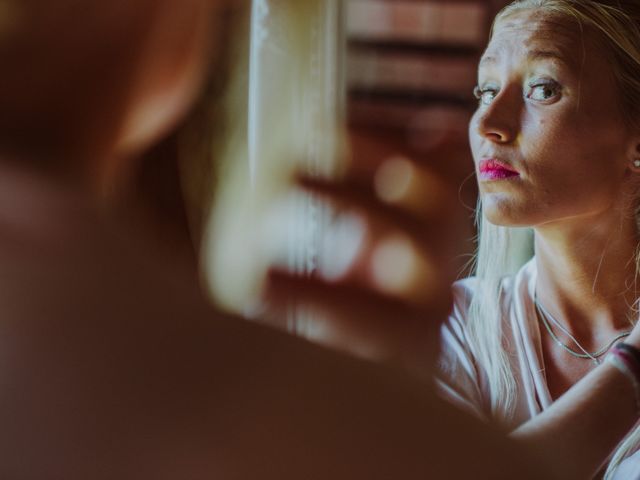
(459, 23)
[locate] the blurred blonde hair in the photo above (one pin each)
(503, 250)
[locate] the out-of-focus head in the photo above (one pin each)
(92, 78)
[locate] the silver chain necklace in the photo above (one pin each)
(546, 319)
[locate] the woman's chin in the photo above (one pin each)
(503, 213)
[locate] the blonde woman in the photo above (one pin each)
(556, 143)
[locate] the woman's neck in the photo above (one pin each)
(587, 273)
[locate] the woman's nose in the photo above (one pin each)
(499, 121)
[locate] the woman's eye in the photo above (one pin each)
(485, 95)
(543, 92)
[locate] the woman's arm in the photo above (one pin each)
(579, 432)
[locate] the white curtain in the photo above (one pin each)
(293, 121)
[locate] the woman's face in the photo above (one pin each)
(548, 139)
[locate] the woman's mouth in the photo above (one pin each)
(492, 169)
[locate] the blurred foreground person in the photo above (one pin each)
(111, 363)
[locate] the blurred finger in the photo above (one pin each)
(398, 267)
(355, 195)
(358, 320)
(343, 245)
(391, 261)
(400, 182)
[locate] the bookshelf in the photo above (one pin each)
(410, 72)
(405, 56)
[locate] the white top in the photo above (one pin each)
(463, 380)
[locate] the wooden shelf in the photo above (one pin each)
(460, 23)
(422, 48)
(408, 55)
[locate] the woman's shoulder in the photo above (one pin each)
(463, 291)
(462, 378)
(459, 379)
(454, 329)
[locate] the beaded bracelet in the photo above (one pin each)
(633, 351)
(627, 360)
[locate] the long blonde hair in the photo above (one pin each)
(617, 23)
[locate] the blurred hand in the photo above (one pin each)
(382, 288)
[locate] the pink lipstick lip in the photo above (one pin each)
(492, 169)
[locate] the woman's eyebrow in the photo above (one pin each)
(571, 62)
(531, 55)
(546, 55)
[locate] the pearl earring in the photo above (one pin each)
(636, 163)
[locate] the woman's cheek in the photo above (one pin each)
(474, 138)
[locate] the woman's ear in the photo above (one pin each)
(172, 67)
(633, 157)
